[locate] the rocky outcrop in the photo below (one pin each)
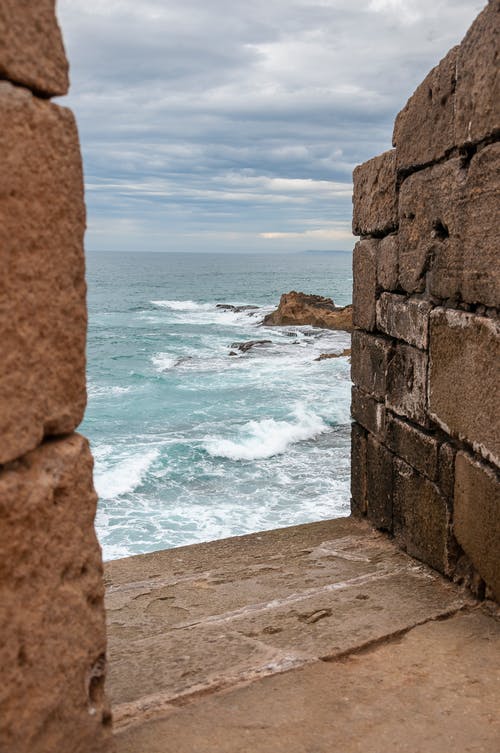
(314, 310)
(325, 356)
(246, 346)
(426, 348)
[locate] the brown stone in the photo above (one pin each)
(446, 469)
(42, 285)
(53, 645)
(379, 484)
(298, 309)
(407, 383)
(478, 88)
(424, 129)
(404, 318)
(364, 266)
(419, 449)
(368, 412)
(327, 356)
(478, 212)
(477, 517)
(464, 366)
(448, 238)
(369, 362)
(428, 229)
(420, 517)
(375, 210)
(31, 46)
(358, 470)
(387, 262)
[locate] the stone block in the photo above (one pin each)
(406, 392)
(404, 318)
(446, 469)
(369, 360)
(477, 517)
(477, 114)
(419, 449)
(464, 392)
(52, 622)
(364, 264)
(425, 128)
(375, 210)
(448, 236)
(379, 484)
(42, 284)
(428, 229)
(387, 262)
(421, 517)
(358, 470)
(368, 412)
(478, 218)
(31, 46)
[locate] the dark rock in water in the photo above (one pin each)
(324, 356)
(243, 347)
(236, 309)
(232, 353)
(300, 309)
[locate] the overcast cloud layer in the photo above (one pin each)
(217, 125)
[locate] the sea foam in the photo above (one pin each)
(264, 439)
(124, 476)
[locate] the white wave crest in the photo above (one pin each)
(263, 439)
(124, 476)
(163, 361)
(183, 305)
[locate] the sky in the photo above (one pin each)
(217, 125)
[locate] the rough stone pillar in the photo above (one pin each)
(426, 352)
(52, 628)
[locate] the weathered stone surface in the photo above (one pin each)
(478, 212)
(364, 267)
(424, 129)
(439, 680)
(477, 517)
(406, 391)
(358, 470)
(464, 366)
(428, 229)
(387, 262)
(448, 238)
(315, 310)
(369, 361)
(368, 412)
(419, 449)
(478, 88)
(42, 286)
(53, 645)
(31, 47)
(420, 517)
(375, 210)
(446, 469)
(404, 318)
(379, 484)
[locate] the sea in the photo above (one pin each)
(190, 442)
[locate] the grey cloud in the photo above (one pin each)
(190, 111)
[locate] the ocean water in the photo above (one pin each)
(190, 443)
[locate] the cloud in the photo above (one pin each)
(218, 121)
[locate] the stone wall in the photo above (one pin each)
(426, 351)
(52, 647)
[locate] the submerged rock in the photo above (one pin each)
(324, 356)
(245, 346)
(300, 309)
(236, 309)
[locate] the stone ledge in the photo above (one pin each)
(264, 622)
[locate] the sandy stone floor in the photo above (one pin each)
(309, 639)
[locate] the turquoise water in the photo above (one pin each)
(193, 444)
